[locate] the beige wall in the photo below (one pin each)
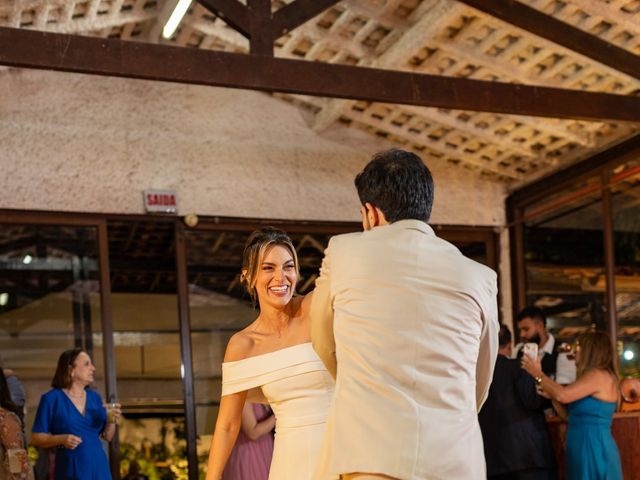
(92, 144)
(86, 143)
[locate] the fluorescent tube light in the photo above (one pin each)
(176, 18)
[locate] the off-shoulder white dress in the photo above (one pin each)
(299, 389)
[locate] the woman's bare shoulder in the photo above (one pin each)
(602, 379)
(239, 347)
(306, 303)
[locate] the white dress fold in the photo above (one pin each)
(299, 389)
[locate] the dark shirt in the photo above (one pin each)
(512, 421)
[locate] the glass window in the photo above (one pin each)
(147, 346)
(564, 259)
(49, 302)
(625, 192)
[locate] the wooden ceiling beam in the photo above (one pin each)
(561, 33)
(234, 13)
(296, 13)
(113, 57)
(260, 27)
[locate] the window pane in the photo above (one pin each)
(49, 302)
(625, 190)
(147, 346)
(564, 259)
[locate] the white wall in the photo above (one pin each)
(92, 144)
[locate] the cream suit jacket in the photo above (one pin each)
(412, 325)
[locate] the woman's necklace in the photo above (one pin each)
(72, 396)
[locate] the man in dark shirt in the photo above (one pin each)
(516, 441)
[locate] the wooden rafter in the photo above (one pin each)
(234, 13)
(256, 22)
(32, 49)
(260, 27)
(296, 13)
(561, 33)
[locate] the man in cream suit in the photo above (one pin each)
(408, 327)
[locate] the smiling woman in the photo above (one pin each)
(273, 359)
(269, 252)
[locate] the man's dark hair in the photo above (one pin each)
(399, 184)
(534, 313)
(504, 337)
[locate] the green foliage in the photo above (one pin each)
(159, 462)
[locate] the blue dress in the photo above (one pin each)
(592, 454)
(57, 415)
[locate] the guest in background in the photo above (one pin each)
(250, 458)
(72, 416)
(14, 463)
(591, 453)
(512, 420)
(15, 388)
(532, 326)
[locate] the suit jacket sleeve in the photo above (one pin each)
(321, 317)
(526, 390)
(488, 342)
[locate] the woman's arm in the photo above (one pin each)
(225, 433)
(587, 384)
(560, 409)
(250, 425)
(47, 440)
(229, 413)
(12, 442)
(109, 431)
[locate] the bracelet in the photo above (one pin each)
(538, 380)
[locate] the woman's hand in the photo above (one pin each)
(71, 441)
(117, 412)
(533, 367)
(542, 393)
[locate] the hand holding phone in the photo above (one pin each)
(531, 350)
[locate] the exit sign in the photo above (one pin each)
(164, 201)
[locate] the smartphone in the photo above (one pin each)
(531, 350)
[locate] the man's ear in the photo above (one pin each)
(372, 215)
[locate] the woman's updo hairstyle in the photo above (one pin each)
(254, 251)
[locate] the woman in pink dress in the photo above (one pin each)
(251, 456)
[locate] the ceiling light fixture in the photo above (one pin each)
(27, 259)
(176, 18)
(4, 299)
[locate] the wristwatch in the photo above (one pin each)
(538, 380)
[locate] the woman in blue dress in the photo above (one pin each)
(72, 418)
(591, 400)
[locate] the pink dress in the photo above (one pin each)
(250, 459)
